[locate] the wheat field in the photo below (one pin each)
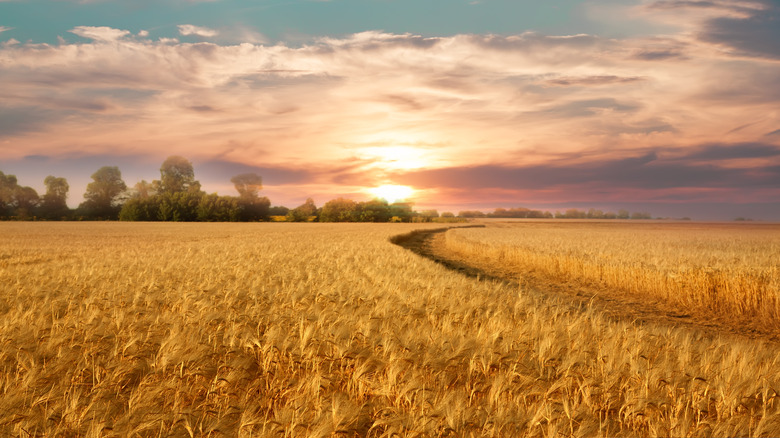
(129, 329)
(726, 269)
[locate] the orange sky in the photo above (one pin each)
(686, 114)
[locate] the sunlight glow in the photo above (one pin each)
(392, 193)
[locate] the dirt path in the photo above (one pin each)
(618, 305)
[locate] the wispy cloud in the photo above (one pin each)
(100, 33)
(189, 29)
(590, 81)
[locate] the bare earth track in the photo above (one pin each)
(614, 303)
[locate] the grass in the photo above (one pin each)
(127, 329)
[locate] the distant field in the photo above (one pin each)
(285, 329)
(731, 269)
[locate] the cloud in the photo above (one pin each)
(558, 113)
(733, 151)
(646, 172)
(587, 108)
(100, 33)
(5, 28)
(744, 28)
(658, 55)
(590, 81)
(17, 120)
(755, 34)
(708, 9)
(189, 29)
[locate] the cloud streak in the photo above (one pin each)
(189, 29)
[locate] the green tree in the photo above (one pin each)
(178, 207)
(375, 210)
(25, 201)
(54, 202)
(253, 207)
(103, 197)
(258, 209)
(177, 175)
(339, 210)
(8, 186)
(303, 212)
(401, 211)
(278, 210)
(139, 209)
(144, 189)
(215, 208)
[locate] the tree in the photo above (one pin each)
(471, 214)
(54, 205)
(8, 187)
(25, 201)
(401, 211)
(375, 210)
(339, 210)
(303, 212)
(177, 207)
(177, 175)
(248, 185)
(278, 210)
(144, 189)
(595, 214)
(139, 209)
(104, 194)
(215, 208)
(253, 207)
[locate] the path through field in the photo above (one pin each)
(614, 303)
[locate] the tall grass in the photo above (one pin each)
(122, 329)
(728, 269)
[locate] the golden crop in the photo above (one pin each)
(287, 329)
(727, 269)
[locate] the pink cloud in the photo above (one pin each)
(101, 33)
(189, 29)
(526, 101)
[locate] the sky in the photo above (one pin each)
(666, 106)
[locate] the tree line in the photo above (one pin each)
(177, 196)
(572, 213)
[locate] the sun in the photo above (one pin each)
(392, 193)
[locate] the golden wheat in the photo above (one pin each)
(128, 329)
(730, 269)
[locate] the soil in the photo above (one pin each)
(613, 303)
